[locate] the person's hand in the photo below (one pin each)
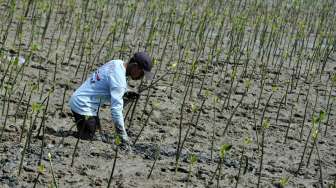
(131, 95)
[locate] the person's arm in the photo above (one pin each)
(116, 110)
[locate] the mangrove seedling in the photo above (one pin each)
(117, 142)
(222, 152)
(157, 154)
(52, 171)
(40, 170)
(265, 126)
(193, 161)
(247, 141)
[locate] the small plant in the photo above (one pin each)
(117, 142)
(36, 108)
(283, 182)
(157, 154)
(314, 131)
(265, 125)
(52, 170)
(193, 161)
(40, 170)
(247, 141)
(215, 101)
(222, 152)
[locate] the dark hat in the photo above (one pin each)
(143, 59)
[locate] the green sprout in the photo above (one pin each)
(52, 170)
(322, 116)
(234, 74)
(15, 61)
(274, 88)
(35, 47)
(266, 123)
(194, 107)
(333, 79)
(283, 181)
(207, 92)
(37, 107)
(8, 87)
(33, 87)
(193, 159)
(215, 99)
(224, 149)
(247, 140)
(156, 104)
(315, 134)
(194, 66)
(117, 140)
(173, 66)
(155, 61)
(247, 83)
(41, 168)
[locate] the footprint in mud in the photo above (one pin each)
(148, 151)
(11, 181)
(179, 169)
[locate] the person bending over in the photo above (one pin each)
(107, 84)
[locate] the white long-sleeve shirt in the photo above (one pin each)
(108, 83)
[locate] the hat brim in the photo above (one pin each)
(149, 75)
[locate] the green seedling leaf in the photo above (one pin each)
(49, 156)
(194, 66)
(315, 120)
(117, 140)
(247, 83)
(51, 185)
(234, 74)
(156, 104)
(36, 107)
(322, 116)
(283, 181)
(193, 159)
(86, 28)
(215, 99)
(8, 87)
(285, 54)
(333, 79)
(315, 134)
(207, 93)
(174, 65)
(155, 62)
(194, 107)
(41, 168)
(247, 140)
(266, 123)
(224, 149)
(35, 47)
(15, 61)
(274, 88)
(33, 87)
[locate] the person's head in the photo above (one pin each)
(139, 65)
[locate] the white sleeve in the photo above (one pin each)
(117, 105)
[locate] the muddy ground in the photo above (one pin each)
(94, 159)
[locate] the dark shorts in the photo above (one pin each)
(86, 126)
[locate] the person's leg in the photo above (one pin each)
(86, 126)
(90, 125)
(78, 120)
